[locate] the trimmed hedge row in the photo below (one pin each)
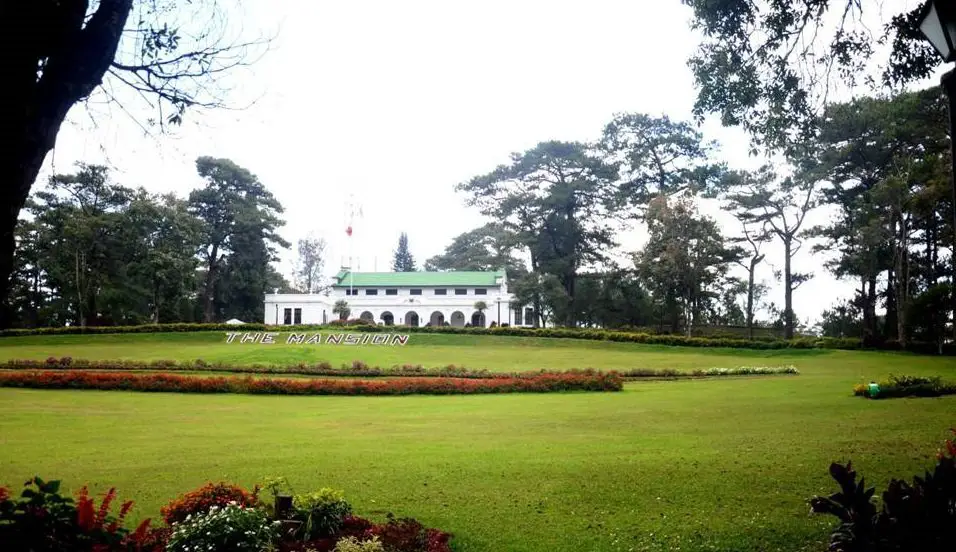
(566, 333)
(541, 383)
(359, 369)
(709, 372)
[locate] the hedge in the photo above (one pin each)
(359, 369)
(541, 383)
(566, 333)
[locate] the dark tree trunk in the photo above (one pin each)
(889, 323)
(209, 288)
(78, 51)
(949, 85)
(788, 292)
(750, 294)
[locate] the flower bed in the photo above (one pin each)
(540, 383)
(359, 369)
(216, 516)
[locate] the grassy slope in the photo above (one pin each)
(496, 353)
(704, 464)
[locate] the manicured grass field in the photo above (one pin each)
(711, 464)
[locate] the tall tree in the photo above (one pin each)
(781, 207)
(683, 262)
(309, 266)
(659, 157)
(883, 163)
(57, 54)
(80, 220)
(402, 260)
(751, 241)
(162, 265)
(488, 247)
(234, 206)
(559, 199)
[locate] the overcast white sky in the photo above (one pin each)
(396, 102)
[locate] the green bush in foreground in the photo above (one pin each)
(906, 386)
(914, 517)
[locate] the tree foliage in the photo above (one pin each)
(771, 66)
(239, 218)
(402, 259)
(168, 55)
(310, 263)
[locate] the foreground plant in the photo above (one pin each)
(234, 527)
(915, 517)
(41, 519)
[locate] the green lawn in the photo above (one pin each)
(712, 464)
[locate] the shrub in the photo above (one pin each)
(233, 527)
(201, 500)
(534, 383)
(42, 519)
(321, 512)
(352, 544)
(906, 386)
(912, 517)
(408, 535)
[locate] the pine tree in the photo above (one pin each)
(403, 260)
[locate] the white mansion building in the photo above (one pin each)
(410, 298)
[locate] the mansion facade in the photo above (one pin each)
(409, 298)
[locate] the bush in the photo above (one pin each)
(920, 516)
(534, 383)
(42, 519)
(408, 535)
(233, 527)
(321, 512)
(906, 386)
(352, 544)
(202, 500)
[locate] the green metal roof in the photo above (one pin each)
(424, 279)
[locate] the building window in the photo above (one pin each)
(298, 316)
(391, 292)
(441, 292)
(287, 316)
(351, 291)
(518, 317)
(460, 291)
(414, 292)
(371, 292)
(529, 316)
(481, 291)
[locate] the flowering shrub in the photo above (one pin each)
(204, 498)
(537, 383)
(353, 544)
(233, 527)
(42, 519)
(362, 370)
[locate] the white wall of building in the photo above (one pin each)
(457, 310)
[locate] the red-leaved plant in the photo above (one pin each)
(202, 499)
